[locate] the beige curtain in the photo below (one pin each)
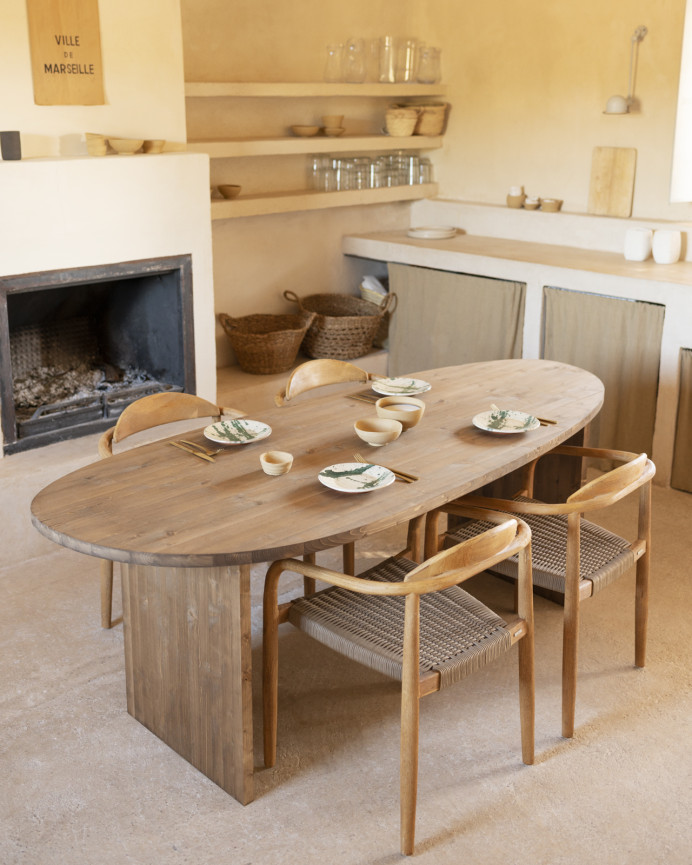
(681, 477)
(620, 342)
(445, 318)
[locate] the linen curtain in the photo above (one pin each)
(681, 477)
(445, 318)
(620, 342)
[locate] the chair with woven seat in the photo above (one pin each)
(573, 558)
(144, 414)
(415, 624)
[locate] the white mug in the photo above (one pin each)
(638, 244)
(666, 246)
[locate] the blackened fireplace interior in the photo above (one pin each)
(77, 346)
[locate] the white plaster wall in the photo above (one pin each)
(142, 53)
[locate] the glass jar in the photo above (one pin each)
(425, 170)
(387, 60)
(333, 69)
(429, 65)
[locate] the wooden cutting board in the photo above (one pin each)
(612, 181)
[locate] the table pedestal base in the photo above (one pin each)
(188, 665)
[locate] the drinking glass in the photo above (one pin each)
(354, 61)
(333, 69)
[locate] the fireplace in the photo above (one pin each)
(77, 346)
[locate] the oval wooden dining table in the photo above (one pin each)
(187, 531)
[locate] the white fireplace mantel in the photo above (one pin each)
(88, 211)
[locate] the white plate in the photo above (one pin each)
(237, 432)
(506, 421)
(355, 477)
(396, 386)
(432, 233)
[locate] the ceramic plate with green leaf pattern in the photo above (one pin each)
(238, 431)
(396, 386)
(506, 421)
(355, 477)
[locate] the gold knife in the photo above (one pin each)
(191, 451)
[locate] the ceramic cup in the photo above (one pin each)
(638, 243)
(666, 246)
(276, 462)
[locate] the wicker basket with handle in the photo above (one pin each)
(265, 344)
(344, 326)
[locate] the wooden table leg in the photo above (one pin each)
(188, 666)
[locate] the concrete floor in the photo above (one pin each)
(83, 783)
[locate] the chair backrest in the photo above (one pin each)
(155, 410)
(319, 372)
(615, 484)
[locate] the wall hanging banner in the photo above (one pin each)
(65, 52)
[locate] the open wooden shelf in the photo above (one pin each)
(308, 89)
(232, 148)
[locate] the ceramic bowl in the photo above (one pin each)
(405, 409)
(378, 431)
(126, 145)
(230, 190)
(551, 205)
(334, 131)
(154, 145)
(332, 121)
(276, 462)
(305, 131)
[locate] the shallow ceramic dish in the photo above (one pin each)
(276, 462)
(406, 409)
(378, 431)
(126, 146)
(394, 386)
(305, 131)
(237, 432)
(432, 233)
(230, 190)
(506, 421)
(355, 477)
(334, 131)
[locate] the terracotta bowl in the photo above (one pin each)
(126, 146)
(405, 409)
(230, 190)
(378, 431)
(276, 462)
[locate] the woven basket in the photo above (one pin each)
(265, 344)
(432, 118)
(400, 120)
(344, 325)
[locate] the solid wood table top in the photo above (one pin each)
(156, 505)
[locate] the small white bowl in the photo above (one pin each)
(406, 409)
(378, 431)
(276, 462)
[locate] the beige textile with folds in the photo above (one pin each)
(620, 342)
(681, 477)
(445, 318)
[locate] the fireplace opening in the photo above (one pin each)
(78, 346)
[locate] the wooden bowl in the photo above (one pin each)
(126, 146)
(407, 410)
(276, 462)
(305, 131)
(378, 431)
(230, 190)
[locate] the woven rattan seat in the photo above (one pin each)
(573, 558)
(415, 624)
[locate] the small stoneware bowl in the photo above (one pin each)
(229, 190)
(276, 462)
(378, 431)
(154, 145)
(551, 205)
(332, 121)
(334, 131)
(126, 145)
(305, 131)
(405, 409)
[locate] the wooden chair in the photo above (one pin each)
(412, 623)
(573, 558)
(143, 414)
(319, 373)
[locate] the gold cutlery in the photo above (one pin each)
(544, 421)
(210, 452)
(364, 396)
(402, 476)
(190, 450)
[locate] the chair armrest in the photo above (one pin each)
(231, 412)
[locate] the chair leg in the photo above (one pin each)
(410, 711)
(570, 630)
(527, 682)
(106, 593)
(309, 584)
(641, 613)
(270, 664)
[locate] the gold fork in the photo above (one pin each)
(402, 476)
(210, 452)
